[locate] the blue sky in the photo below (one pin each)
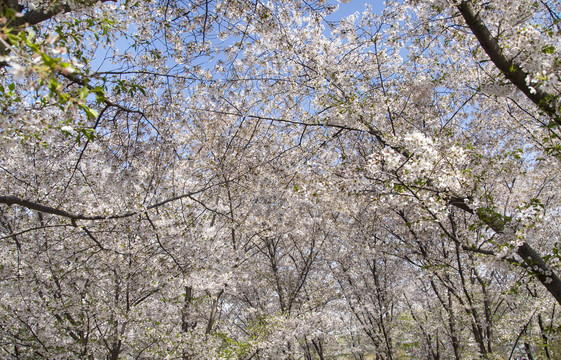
(345, 9)
(358, 5)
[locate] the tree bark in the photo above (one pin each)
(510, 69)
(539, 268)
(533, 261)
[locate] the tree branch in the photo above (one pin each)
(511, 70)
(539, 268)
(533, 262)
(31, 205)
(36, 16)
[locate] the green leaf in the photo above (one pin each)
(90, 113)
(548, 49)
(83, 93)
(89, 133)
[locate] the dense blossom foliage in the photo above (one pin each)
(233, 179)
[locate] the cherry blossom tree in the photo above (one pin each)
(248, 180)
